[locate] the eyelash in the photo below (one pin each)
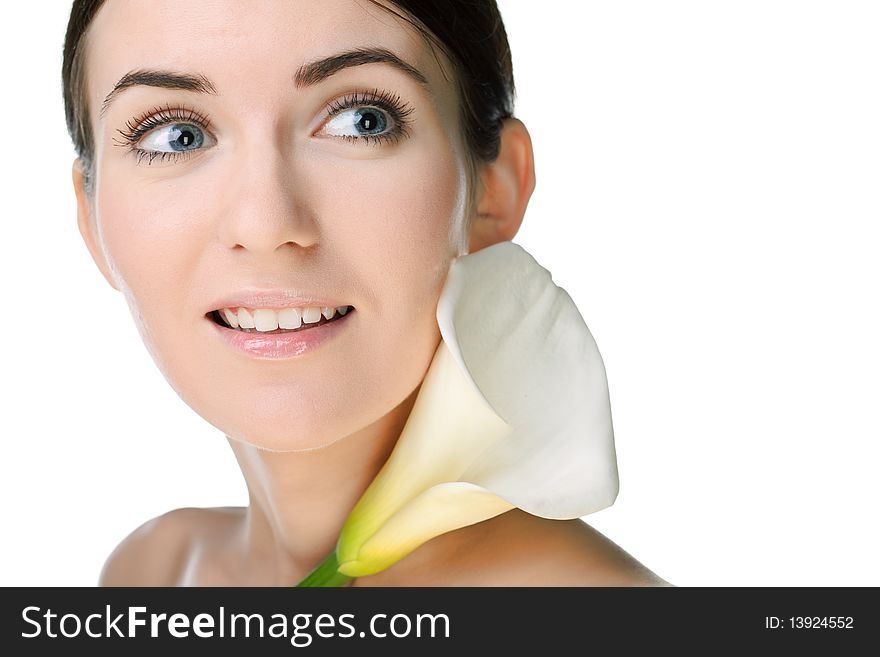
(159, 116)
(384, 100)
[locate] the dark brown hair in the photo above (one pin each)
(469, 32)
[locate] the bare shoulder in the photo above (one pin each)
(519, 549)
(156, 552)
(576, 554)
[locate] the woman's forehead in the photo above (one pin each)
(234, 44)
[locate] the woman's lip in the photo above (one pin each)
(273, 299)
(275, 346)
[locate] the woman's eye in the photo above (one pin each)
(173, 138)
(361, 122)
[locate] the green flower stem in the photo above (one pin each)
(326, 574)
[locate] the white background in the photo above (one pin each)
(708, 195)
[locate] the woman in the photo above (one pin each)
(305, 172)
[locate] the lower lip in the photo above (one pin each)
(277, 346)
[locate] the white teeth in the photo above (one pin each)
(289, 318)
(245, 319)
(265, 320)
(230, 317)
(311, 315)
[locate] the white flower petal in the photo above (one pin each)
(440, 509)
(449, 425)
(522, 340)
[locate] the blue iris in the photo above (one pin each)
(184, 137)
(367, 119)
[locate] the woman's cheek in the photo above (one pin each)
(412, 258)
(152, 250)
(402, 240)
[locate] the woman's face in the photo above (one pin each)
(349, 190)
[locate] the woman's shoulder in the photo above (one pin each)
(519, 549)
(572, 553)
(514, 549)
(535, 551)
(158, 552)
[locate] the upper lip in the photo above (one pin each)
(255, 298)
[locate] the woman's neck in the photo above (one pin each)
(300, 500)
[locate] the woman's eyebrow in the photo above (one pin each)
(321, 69)
(154, 78)
(308, 74)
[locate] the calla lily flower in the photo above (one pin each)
(513, 412)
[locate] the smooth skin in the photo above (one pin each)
(276, 197)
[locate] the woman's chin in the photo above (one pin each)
(280, 443)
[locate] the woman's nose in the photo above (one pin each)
(264, 204)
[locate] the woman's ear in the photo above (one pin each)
(508, 183)
(86, 222)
